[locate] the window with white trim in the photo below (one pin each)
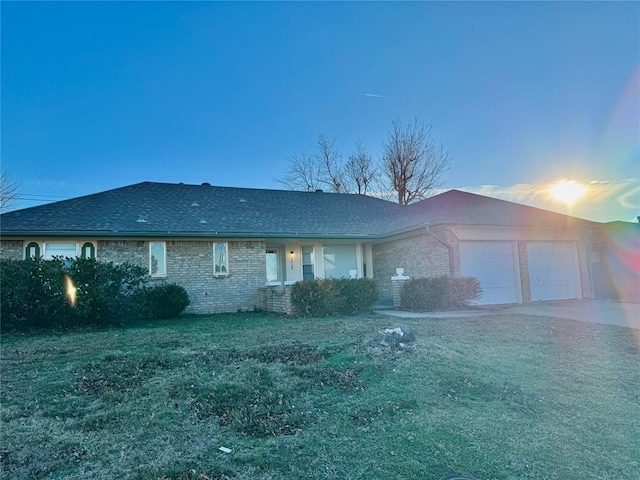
(220, 259)
(60, 249)
(339, 260)
(157, 259)
(32, 250)
(88, 250)
(273, 265)
(308, 254)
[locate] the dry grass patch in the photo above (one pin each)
(505, 397)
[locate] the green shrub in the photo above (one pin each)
(439, 293)
(108, 293)
(333, 296)
(32, 294)
(462, 291)
(425, 294)
(35, 293)
(167, 300)
(360, 294)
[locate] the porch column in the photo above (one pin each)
(397, 282)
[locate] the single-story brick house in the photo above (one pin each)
(239, 248)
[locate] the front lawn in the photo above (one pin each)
(504, 397)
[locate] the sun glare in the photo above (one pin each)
(568, 192)
(70, 290)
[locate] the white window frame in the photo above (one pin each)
(162, 274)
(279, 273)
(91, 246)
(45, 245)
(32, 247)
(224, 267)
(313, 263)
(326, 259)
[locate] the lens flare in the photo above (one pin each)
(568, 192)
(70, 290)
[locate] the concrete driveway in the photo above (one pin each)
(606, 312)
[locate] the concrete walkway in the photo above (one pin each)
(606, 312)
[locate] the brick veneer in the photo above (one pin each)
(419, 255)
(11, 249)
(276, 299)
(525, 280)
(190, 264)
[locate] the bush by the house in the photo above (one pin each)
(462, 291)
(439, 293)
(60, 293)
(167, 300)
(333, 296)
(108, 293)
(32, 294)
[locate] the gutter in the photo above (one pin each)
(419, 228)
(115, 234)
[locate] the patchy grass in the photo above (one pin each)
(505, 397)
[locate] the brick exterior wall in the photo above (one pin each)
(420, 256)
(525, 280)
(583, 267)
(397, 284)
(190, 264)
(11, 249)
(274, 299)
(123, 251)
(450, 238)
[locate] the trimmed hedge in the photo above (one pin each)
(108, 293)
(439, 293)
(35, 294)
(167, 300)
(333, 296)
(32, 295)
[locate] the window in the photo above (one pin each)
(338, 260)
(32, 250)
(273, 265)
(220, 259)
(88, 250)
(307, 263)
(60, 249)
(157, 259)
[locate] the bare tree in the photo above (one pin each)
(323, 169)
(360, 170)
(330, 164)
(8, 192)
(413, 161)
(303, 174)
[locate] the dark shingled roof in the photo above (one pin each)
(164, 209)
(456, 207)
(200, 210)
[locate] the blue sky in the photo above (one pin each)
(101, 95)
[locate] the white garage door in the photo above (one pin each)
(553, 271)
(494, 265)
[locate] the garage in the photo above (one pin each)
(553, 271)
(495, 265)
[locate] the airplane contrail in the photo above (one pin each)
(374, 95)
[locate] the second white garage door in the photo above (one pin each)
(494, 264)
(553, 271)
